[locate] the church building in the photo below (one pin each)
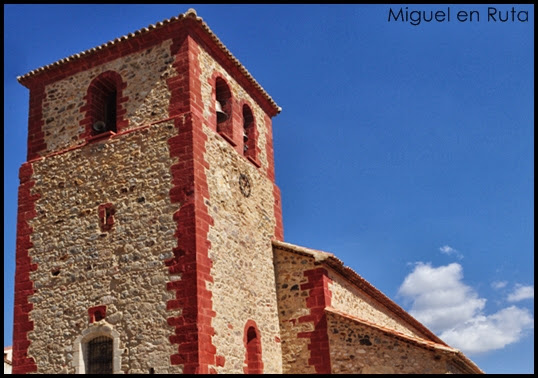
(150, 235)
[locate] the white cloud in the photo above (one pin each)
(520, 293)
(484, 333)
(499, 284)
(448, 250)
(440, 299)
(453, 310)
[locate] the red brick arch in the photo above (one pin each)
(253, 346)
(250, 128)
(222, 91)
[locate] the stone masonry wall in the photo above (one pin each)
(359, 349)
(351, 300)
(243, 287)
(289, 272)
(81, 266)
(145, 74)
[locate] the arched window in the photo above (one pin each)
(97, 350)
(223, 109)
(249, 133)
(103, 102)
(253, 360)
(99, 355)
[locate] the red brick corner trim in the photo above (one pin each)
(277, 207)
(36, 136)
(193, 331)
(318, 299)
(24, 286)
(279, 226)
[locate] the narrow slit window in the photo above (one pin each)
(249, 137)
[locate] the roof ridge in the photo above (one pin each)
(392, 331)
(418, 340)
(112, 42)
(335, 263)
(190, 13)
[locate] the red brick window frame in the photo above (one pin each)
(224, 100)
(104, 109)
(253, 346)
(250, 135)
(97, 313)
(106, 213)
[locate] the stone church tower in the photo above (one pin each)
(149, 230)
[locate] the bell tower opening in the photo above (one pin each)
(103, 96)
(223, 106)
(249, 142)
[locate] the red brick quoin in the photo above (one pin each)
(279, 227)
(318, 299)
(192, 329)
(24, 286)
(36, 137)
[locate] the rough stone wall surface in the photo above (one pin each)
(289, 272)
(357, 348)
(145, 74)
(79, 266)
(243, 287)
(351, 300)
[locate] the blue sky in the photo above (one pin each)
(407, 151)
